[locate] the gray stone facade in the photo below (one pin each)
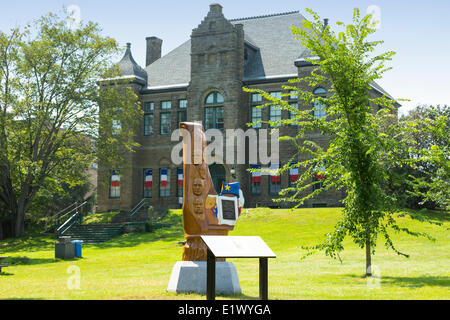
(222, 56)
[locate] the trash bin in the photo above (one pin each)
(78, 245)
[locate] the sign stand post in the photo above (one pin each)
(236, 247)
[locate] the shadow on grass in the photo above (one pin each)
(412, 282)
(30, 243)
(433, 216)
(417, 282)
(25, 261)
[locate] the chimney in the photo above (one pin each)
(154, 46)
(325, 23)
(215, 8)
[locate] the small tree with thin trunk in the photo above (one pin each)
(361, 144)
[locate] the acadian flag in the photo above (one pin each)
(180, 177)
(148, 182)
(275, 176)
(318, 175)
(115, 178)
(256, 176)
(164, 177)
(293, 173)
(231, 188)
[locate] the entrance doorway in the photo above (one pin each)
(218, 175)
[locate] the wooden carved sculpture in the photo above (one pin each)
(198, 216)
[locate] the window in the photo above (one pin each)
(276, 94)
(256, 97)
(256, 180)
(180, 182)
(274, 110)
(165, 123)
(148, 183)
(114, 188)
(214, 118)
(149, 107)
(293, 95)
(256, 116)
(293, 174)
(318, 178)
(181, 117)
(182, 104)
(164, 183)
(275, 179)
(214, 98)
(293, 114)
(148, 124)
(166, 105)
(319, 110)
(274, 114)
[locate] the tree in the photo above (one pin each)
(428, 139)
(49, 101)
(361, 128)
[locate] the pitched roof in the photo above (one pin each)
(129, 67)
(263, 32)
(273, 50)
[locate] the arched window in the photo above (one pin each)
(214, 98)
(214, 112)
(319, 111)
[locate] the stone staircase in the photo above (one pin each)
(95, 233)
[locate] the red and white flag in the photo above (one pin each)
(115, 178)
(148, 183)
(320, 172)
(163, 177)
(256, 175)
(180, 177)
(293, 173)
(274, 175)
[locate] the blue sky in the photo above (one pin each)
(418, 31)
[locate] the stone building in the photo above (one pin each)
(202, 80)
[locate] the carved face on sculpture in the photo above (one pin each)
(198, 186)
(202, 171)
(198, 206)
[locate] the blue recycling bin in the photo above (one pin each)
(78, 245)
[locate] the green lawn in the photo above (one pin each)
(138, 266)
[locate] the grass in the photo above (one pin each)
(100, 218)
(138, 266)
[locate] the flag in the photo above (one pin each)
(293, 173)
(275, 176)
(256, 176)
(180, 177)
(163, 177)
(148, 179)
(318, 175)
(231, 188)
(115, 178)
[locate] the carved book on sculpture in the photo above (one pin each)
(198, 194)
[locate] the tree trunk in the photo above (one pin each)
(1, 230)
(368, 260)
(19, 229)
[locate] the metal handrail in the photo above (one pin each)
(137, 207)
(72, 220)
(76, 215)
(57, 215)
